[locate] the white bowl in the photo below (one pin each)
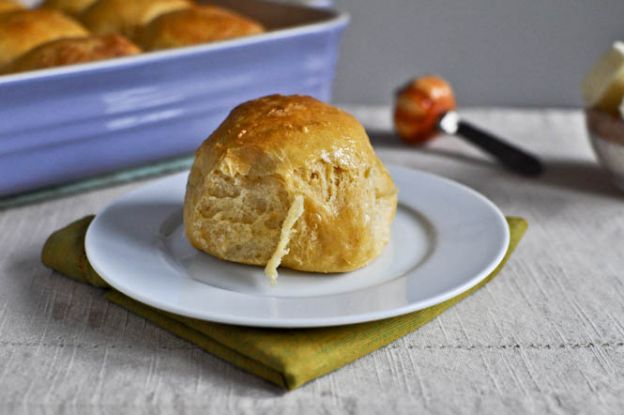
(607, 137)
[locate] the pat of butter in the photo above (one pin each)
(294, 212)
(603, 87)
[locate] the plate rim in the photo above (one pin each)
(310, 322)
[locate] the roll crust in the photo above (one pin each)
(202, 24)
(74, 50)
(268, 152)
(127, 16)
(10, 6)
(71, 7)
(23, 30)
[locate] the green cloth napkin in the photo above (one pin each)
(286, 357)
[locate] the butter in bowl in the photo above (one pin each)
(603, 93)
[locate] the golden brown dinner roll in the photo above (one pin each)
(23, 30)
(73, 50)
(71, 7)
(293, 179)
(126, 16)
(195, 25)
(9, 6)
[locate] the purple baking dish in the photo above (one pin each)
(64, 124)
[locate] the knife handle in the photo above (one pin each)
(510, 156)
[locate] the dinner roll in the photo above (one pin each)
(73, 50)
(23, 30)
(195, 25)
(71, 7)
(290, 179)
(9, 6)
(126, 16)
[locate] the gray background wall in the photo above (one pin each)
(495, 52)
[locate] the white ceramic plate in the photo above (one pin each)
(445, 239)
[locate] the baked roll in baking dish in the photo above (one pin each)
(73, 50)
(48, 37)
(21, 31)
(290, 180)
(193, 26)
(126, 16)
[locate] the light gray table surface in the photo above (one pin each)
(546, 336)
